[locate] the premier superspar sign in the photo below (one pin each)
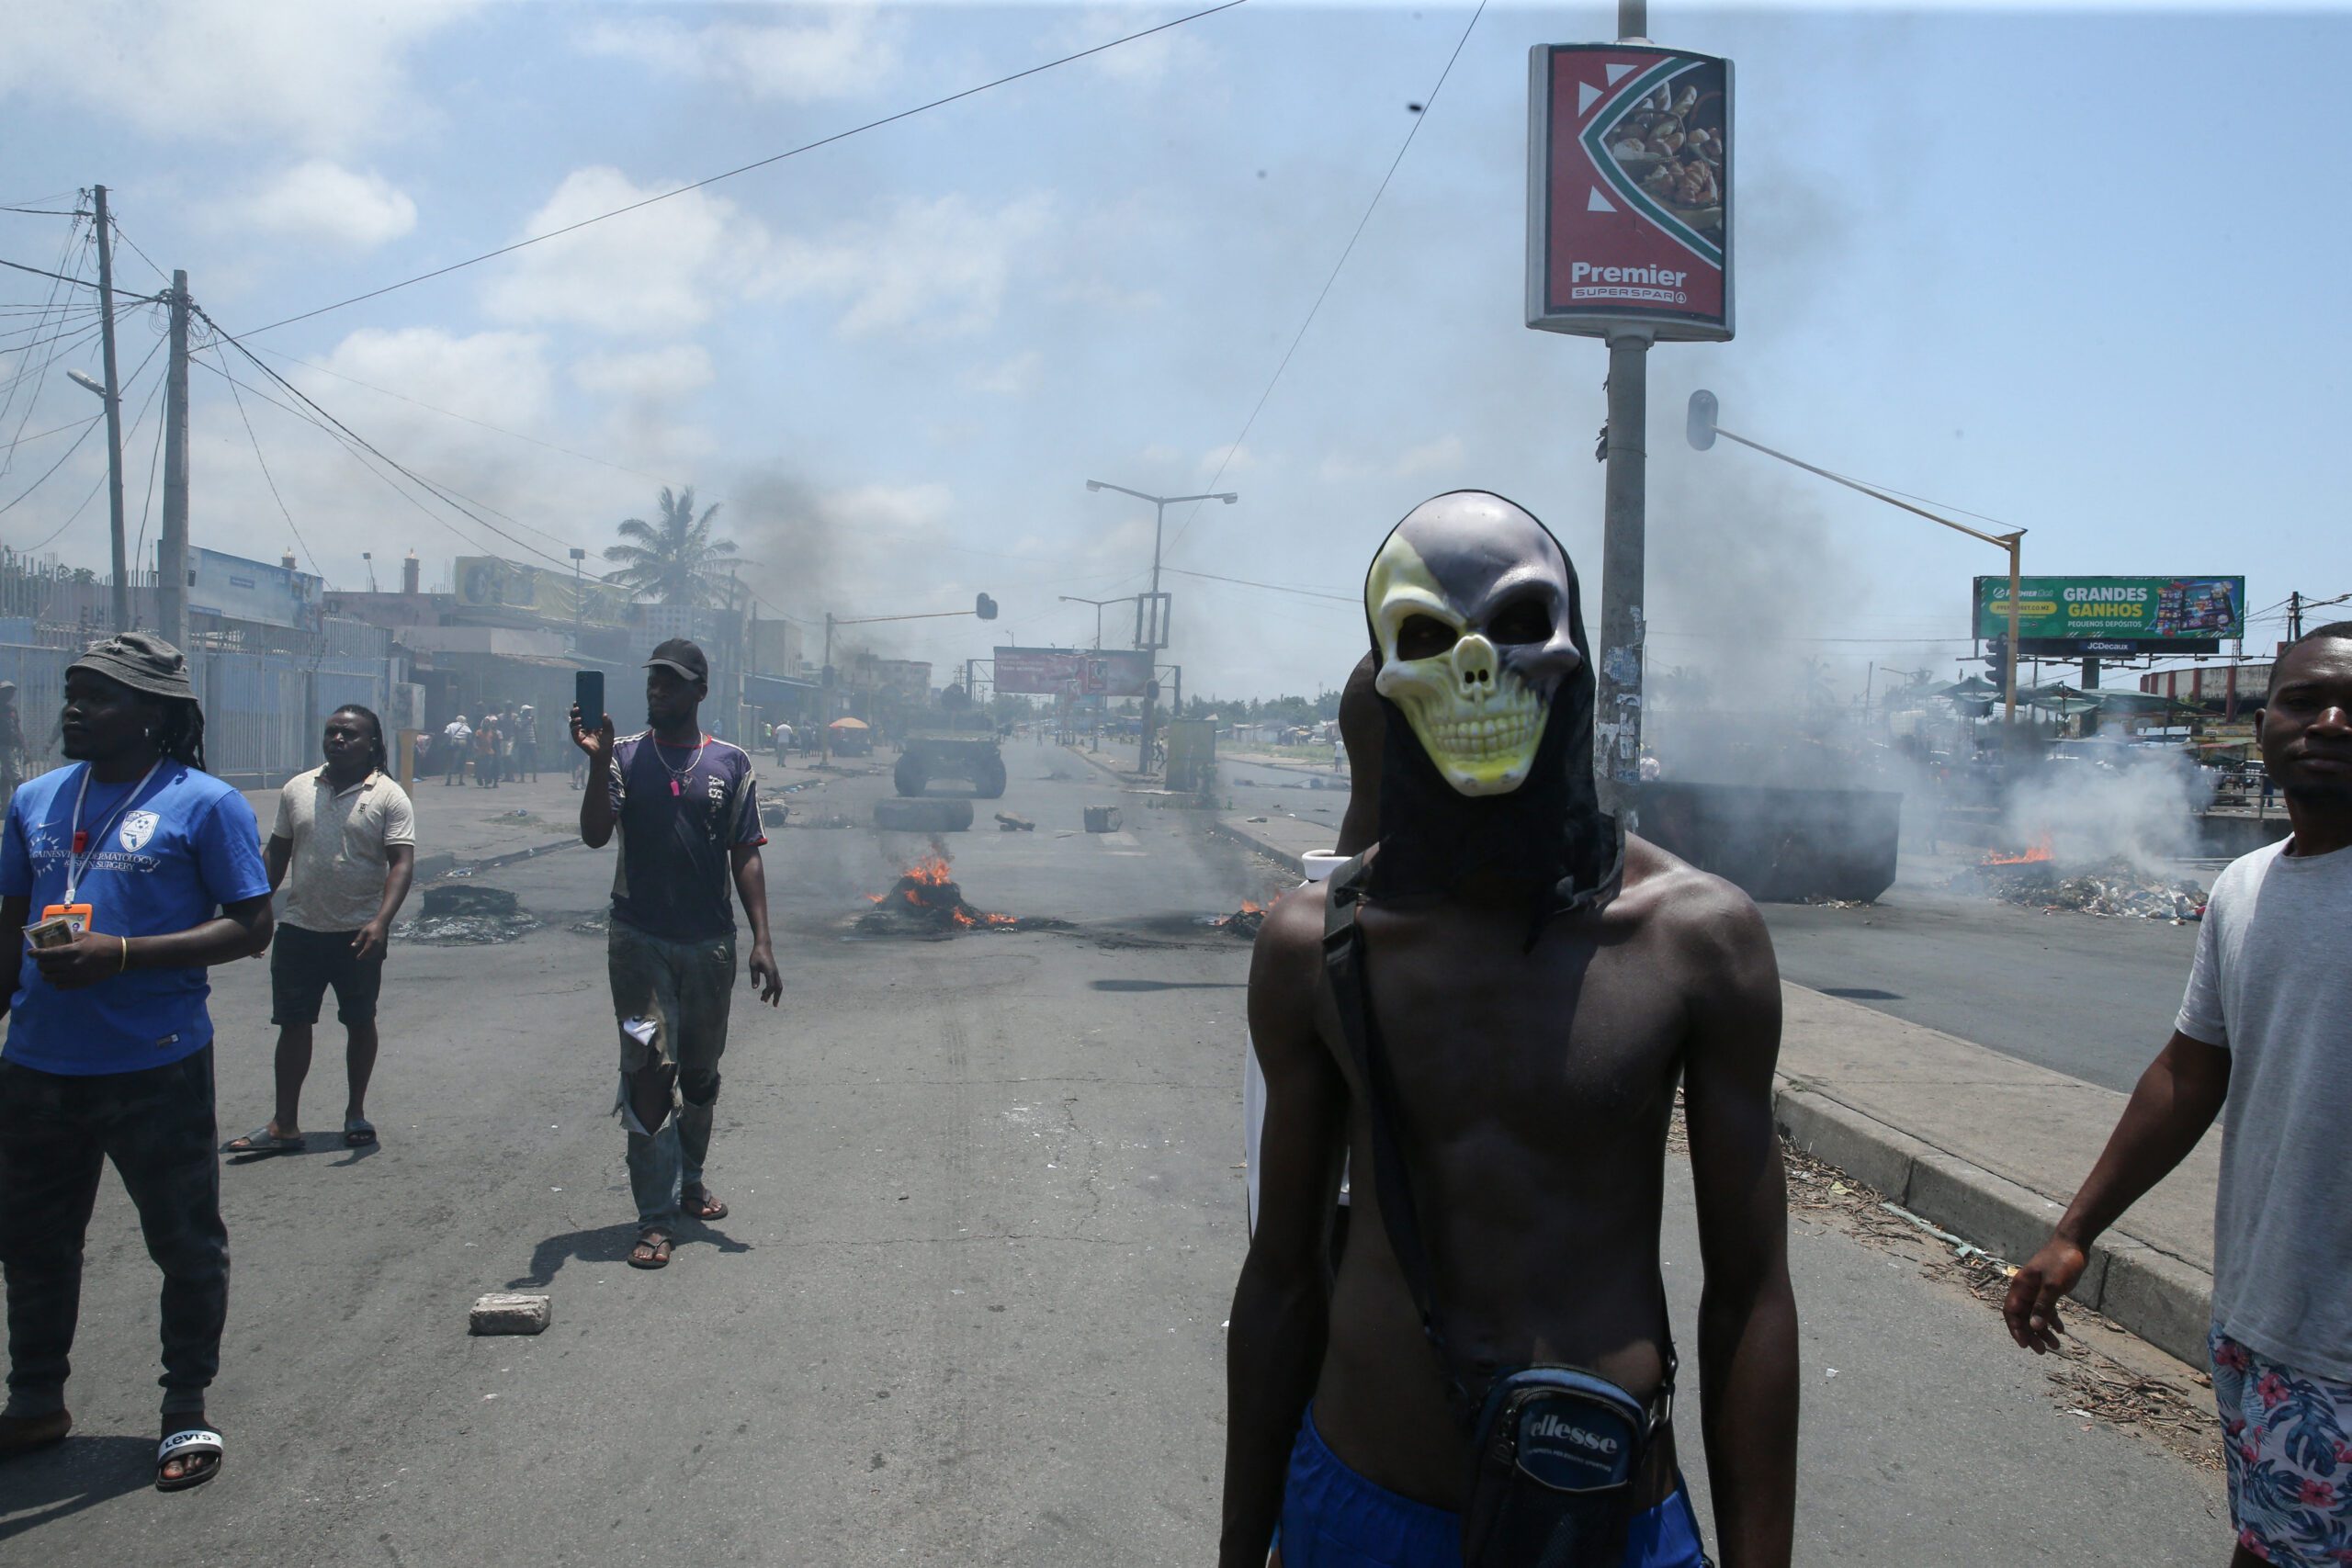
(1629, 190)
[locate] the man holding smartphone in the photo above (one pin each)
(689, 822)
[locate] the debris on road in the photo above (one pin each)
(1008, 823)
(1101, 818)
(469, 913)
(505, 1312)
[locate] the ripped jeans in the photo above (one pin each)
(671, 998)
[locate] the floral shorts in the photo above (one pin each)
(2288, 1437)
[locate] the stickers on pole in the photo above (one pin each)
(1629, 191)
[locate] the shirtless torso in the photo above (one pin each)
(1536, 1090)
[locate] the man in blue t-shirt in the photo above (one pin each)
(689, 822)
(125, 877)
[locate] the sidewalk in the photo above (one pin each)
(1976, 1142)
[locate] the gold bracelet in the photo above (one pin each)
(125, 964)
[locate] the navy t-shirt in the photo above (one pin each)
(162, 862)
(681, 811)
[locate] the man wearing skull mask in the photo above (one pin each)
(1534, 984)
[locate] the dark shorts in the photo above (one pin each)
(1333, 1517)
(303, 964)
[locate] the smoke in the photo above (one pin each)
(2090, 813)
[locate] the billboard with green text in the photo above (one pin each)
(2140, 610)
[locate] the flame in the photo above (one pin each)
(1248, 907)
(2034, 856)
(930, 871)
(1004, 920)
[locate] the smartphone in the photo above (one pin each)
(588, 690)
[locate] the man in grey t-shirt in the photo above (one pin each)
(2264, 1040)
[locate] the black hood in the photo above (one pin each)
(1549, 834)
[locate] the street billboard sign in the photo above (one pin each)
(2124, 615)
(1073, 671)
(1629, 190)
(240, 590)
(486, 583)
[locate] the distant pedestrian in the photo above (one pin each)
(510, 726)
(689, 821)
(526, 743)
(343, 851)
(457, 740)
(486, 738)
(2264, 1040)
(157, 865)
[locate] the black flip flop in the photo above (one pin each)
(262, 1141)
(357, 1132)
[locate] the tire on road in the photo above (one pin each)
(907, 776)
(988, 778)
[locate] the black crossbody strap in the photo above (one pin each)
(1351, 997)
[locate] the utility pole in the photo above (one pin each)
(2294, 603)
(1624, 540)
(121, 596)
(171, 549)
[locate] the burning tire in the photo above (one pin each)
(909, 779)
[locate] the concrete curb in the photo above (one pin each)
(1295, 865)
(2162, 1298)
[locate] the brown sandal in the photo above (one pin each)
(651, 1251)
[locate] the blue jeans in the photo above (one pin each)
(672, 1000)
(57, 1130)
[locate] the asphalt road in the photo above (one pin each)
(967, 1309)
(2084, 995)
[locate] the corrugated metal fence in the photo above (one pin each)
(262, 711)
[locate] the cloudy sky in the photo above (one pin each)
(2078, 272)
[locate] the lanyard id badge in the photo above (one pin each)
(84, 846)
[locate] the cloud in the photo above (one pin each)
(849, 50)
(938, 267)
(318, 199)
(320, 76)
(498, 377)
(653, 375)
(646, 274)
(1014, 378)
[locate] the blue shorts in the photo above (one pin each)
(1332, 1518)
(2284, 1435)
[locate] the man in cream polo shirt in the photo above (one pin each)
(343, 851)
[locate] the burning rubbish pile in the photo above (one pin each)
(1243, 922)
(926, 901)
(2114, 888)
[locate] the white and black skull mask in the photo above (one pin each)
(1474, 614)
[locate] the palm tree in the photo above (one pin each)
(674, 560)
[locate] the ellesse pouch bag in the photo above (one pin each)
(1553, 1463)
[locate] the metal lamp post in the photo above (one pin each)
(1151, 633)
(1701, 430)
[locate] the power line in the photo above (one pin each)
(446, 497)
(757, 164)
(1420, 119)
(269, 479)
(86, 283)
(101, 480)
(1270, 587)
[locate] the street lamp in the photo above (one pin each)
(1155, 637)
(1701, 430)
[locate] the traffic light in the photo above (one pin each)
(1997, 661)
(984, 607)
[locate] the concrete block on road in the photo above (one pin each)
(1864, 1148)
(1101, 818)
(504, 1312)
(2156, 1296)
(924, 815)
(1996, 1214)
